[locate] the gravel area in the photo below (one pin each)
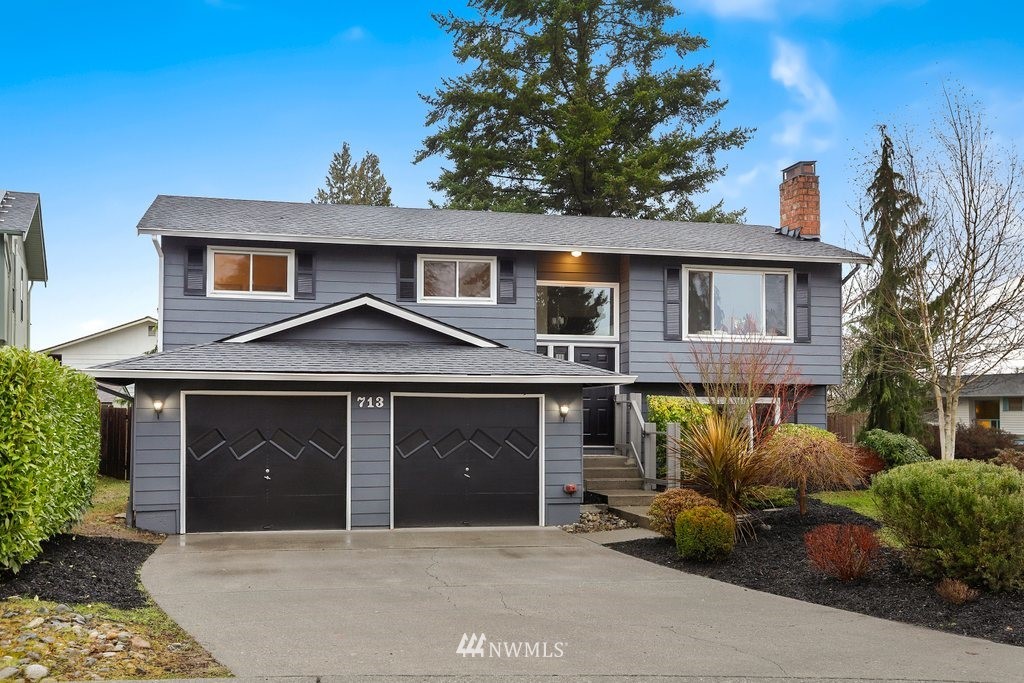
(776, 562)
(597, 521)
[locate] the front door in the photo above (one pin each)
(598, 402)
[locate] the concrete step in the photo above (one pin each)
(632, 513)
(605, 460)
(618, 483)
(622, 472)
(624, 497)
(599, 450)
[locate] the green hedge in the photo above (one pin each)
(664, 409)
(49, 451)
(960, 519)
(894, 449)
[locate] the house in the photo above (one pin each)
(126, 340)
(339, 366)
(994, 401)
(23, 250)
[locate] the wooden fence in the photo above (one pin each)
(115, 441)
(846, 425)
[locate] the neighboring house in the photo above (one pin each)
(127, 340)
(23, 254)
(994, 401)
(333, 366)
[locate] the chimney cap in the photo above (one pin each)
(799, 168)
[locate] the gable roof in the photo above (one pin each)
(363, 301)
(355, 362)
(148, 320)
(378, 225)
(21, 214)
(995, 385)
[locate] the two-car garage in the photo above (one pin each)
(282, 461)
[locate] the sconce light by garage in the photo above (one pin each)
(158, 407)
(576, 253)
(563, 410)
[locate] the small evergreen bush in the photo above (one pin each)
(49, 451)
(843, 551)
(667, 505)
(705, 533)
(961, 519)
(894, 449)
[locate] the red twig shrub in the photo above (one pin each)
(870, 462)
(843, 551)
(956, 591)
(667, 505)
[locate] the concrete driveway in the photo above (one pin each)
(399, 603)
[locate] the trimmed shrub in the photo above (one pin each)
(961, 519)
(972, 442)
(705, 533)
(956, 591)
(1011, 457)
(667, 505)
(894, 449)
(49, 451)
(810, 457)
(664, 409)
(843, 551)
(764, 497)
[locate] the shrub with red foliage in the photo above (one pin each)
(869, 461)
(843, 551)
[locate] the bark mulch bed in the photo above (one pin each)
(81, 569)
(776, 562)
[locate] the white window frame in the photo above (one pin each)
(584, 339)
(234, 294)
(718, 336)
(490, 300)
(764, 400)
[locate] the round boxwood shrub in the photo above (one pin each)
(894, 449)
(49, 451)
(705, 533)
(961, 519)
(667, 505)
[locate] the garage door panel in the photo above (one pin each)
(265, 462)
(466, 461)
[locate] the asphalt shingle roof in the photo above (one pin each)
(995, 385)
(19, 213)
(210, 217)
(345, 358)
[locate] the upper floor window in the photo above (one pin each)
(739, 303)
(456, 279)
(567, 309)
(256, 273)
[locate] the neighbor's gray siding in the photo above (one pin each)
(156, 458)
(650, 356)
(342, 271)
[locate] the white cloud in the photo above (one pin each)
(739, 9)
(768, 10)
(353, 33)
(811, 124)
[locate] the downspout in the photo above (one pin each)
(159, 295)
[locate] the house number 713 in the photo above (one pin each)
(370, 401)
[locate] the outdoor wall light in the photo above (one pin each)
(158, 407)
(576, 253)
(563, 410)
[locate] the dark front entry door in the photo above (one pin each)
(598, 402)
(466, 461)
(265, 462)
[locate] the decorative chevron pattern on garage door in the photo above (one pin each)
(515, 440)
(250, 442)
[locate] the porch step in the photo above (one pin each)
(625, 497)
(599, 450)
(619, 472)
(632, 513)
(601, 484)
(605, 461)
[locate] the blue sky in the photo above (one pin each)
(103, 106)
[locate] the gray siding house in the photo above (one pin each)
(22, 263)
(353, 367)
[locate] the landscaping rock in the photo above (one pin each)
(35, 623)
(34, 672)
(8, 672)
(140, 643)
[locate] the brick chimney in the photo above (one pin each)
(800, 201)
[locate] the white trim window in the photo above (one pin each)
(447, 279)
(739, 303)
(250, 273)
(577, 310)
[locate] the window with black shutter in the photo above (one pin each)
(506, 280)
(673, 304)
(802, 309)
(305, 275)
(195, 272)
(406, 277)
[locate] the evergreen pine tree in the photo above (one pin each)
(348, 183)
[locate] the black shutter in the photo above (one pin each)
(305, 275)
(195, 272)
(802, 309)
(506, 280)
(673, 304)
(406, 277)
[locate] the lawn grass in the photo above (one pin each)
(105, 517)
(861, 502)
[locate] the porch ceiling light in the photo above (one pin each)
(576, 253)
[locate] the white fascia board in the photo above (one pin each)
(678, 253)
(390, 309)
(101, 373)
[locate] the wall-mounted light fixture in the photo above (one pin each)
(576, 253)
(563, 410)
(158, 407)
